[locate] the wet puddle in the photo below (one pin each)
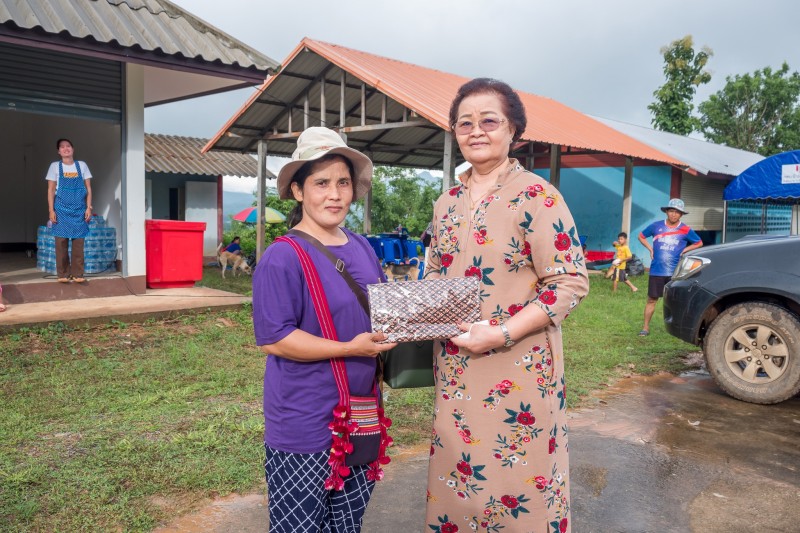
(674, 453)
(654, 453)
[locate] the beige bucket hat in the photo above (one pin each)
(316, 142)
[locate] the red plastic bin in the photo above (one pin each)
(596, 255)
(174, 251)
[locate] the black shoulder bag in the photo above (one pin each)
(409, 364)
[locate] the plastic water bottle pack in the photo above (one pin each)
(99, 248)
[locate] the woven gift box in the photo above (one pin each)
(425, 309)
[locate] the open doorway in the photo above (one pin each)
(27, 147)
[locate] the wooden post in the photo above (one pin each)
(627, 196)
(449, 161)
(220, 223)
(342, 112)
(530, 159)
(305, 113)
(367, 222)
(363, 104)
(555, 165)
(262, 190)
(322, 110)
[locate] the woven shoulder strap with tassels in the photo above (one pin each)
(341, 426)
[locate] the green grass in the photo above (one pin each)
(119, 427)
(240, 284)
(601, 339)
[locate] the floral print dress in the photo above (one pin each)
(499, 452)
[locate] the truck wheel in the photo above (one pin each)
(753, 352)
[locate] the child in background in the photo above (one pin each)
(235, 246)
(617, 270)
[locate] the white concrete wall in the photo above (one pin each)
(201, 206)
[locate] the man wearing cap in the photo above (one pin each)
(671, 239)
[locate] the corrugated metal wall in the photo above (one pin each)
(703, 198)
(49, 82)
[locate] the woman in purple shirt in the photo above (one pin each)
(300, 392)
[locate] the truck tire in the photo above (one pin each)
(752, 351)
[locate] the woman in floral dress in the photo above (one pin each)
(499, 454)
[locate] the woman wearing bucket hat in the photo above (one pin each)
(671, 239)
(310, 488)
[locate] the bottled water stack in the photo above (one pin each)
(99, 248)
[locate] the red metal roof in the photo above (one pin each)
(429, 92)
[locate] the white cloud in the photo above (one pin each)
(237, 184)
(600, 58)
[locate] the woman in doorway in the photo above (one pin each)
(499, 458)
(69, 197)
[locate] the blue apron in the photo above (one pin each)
(70, 205)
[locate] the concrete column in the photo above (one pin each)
(132, 193)
(449, 163)
(627, 198)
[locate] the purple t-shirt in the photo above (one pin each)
(299, 397)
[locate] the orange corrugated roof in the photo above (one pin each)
(429, 92)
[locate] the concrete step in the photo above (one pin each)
(51, 290)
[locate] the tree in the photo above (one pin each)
(759, 112)
(684, 70)
(399, 198)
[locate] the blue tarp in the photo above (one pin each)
(776, 177)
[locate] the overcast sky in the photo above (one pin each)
(599, 57)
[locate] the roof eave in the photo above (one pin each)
(114, 52)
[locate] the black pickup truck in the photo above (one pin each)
(741, 302)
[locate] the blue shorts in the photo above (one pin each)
(655, 287)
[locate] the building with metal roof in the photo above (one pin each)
(182, 56)
(711, 167)
(397, 113)
(174, 154)
(701, 157)
(182, 183)
(85, 70)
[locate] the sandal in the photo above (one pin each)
(79, 280)
(644, 333)
(64, 280)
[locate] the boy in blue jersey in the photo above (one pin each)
(671, 239)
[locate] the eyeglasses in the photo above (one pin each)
(465, 127)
